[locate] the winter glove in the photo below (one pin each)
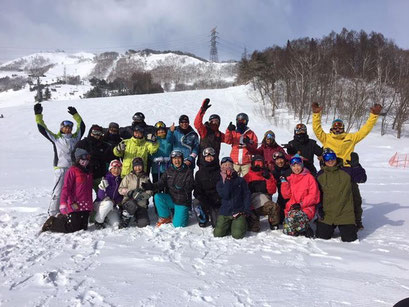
(376, 109)
(121, 147)
(316, 108)
(247, 141)
(283, 179)
(150, 137)
(205, 105)
(295, 207)
(354, 162)
(72, 110)
(147, 186)
(103, 184)
(266, 174)
(132, 193)
(231, 127)
(38, 108)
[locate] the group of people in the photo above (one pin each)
(126, 166)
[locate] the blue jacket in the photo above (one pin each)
(187, 143)
(235, 196)
(165, 148)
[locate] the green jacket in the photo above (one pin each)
(337, 200)
(135, 148)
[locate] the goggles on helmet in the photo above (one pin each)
(226, 159)
(270, 136)
(296, 160)
(337, 124)
(278, 155)
(160, 124)
(67, 123)
(176, 153)
(329, 156)
(300, 128)
(209, 151)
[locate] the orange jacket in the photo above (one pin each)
(239, 153)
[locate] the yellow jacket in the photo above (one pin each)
(342, 144)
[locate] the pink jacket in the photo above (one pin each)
(76, 192)
(301, 189)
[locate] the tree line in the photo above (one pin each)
(344, 72)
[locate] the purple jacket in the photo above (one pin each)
(112, 190)
(76, 192)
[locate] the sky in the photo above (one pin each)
(29, 26)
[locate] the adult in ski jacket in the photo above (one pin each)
(63, 145)
(138, 119)
(341, 142)
(210, 135)
(112, 138)
(281, 170)
(240, 137)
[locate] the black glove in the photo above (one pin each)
(266, 174)
(247, 141)
(147, 186)
(72, 110)
(38, 108)
(295, 207)
(205, 105)
(231, 127)
(354, 162)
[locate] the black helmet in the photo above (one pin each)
(242, 116)
(214, 116)
(138, 117)
(300, 128)
(257, 158)
(183, 118)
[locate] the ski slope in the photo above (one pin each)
(189, 267)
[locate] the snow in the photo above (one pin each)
(189, 267)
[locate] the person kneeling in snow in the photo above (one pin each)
(302, 190)
(108, 197)
(336, 185)
(135, 202)
(235, 196)
(76, 197)
(262, 186)
(178, 181)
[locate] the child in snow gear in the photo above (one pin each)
(108, 197)
(262, 186)
(337, 198)
(135, 202)
(281, 169)
(240, 137)
(235, 196)
(136, 146)
(76, 197)
(210, 135)
(186, 140)
(302, 190)
(267, 148)
(63, 144)
(305, 147)
(178, 181)
(207, 202)
(160, 159)
(99, 151)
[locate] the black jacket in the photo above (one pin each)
(212, 139)
(179, 184)
(112, 140)
(206, 179)
(284, 171)
(306, 148)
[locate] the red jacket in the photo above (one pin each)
(301, 189)
(239, 152)
(257, 183)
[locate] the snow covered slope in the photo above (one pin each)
(188, 267)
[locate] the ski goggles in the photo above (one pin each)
(300, 128)
(176, 154)
(67, 123)
(160, 125)
(226, 159)
(209, 151)
(329, 156)
(97, 132)
(258, 163)
(115, 163)
(296, 160)
(278, 155)
(270, 136)
(214, 121)
(337, 124)
(85, 157)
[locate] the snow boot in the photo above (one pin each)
(125, 219)
(359, 225)
(163, 220)
(99, 225)
(48, 224)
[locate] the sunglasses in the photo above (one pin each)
(226, 159)
(209, 152)
(96, 132)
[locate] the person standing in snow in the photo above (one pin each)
(343, 144)
(112, 138)
(138, 119)
(186, 140)
(210, 135)
(76, 197)
(108, 197)
(63, 144)
(240, 138)
(235, 198)
(303, 193)
(160, 159)
(335, 181)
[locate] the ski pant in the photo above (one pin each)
(241, 169)
(54, 207)
(348, 232)
(140, 213)
(105, 211)
(210, 213)
(271, 209)
(164, 204)
(356, 195)
(296, 223)
(226, 225)
(72, 222)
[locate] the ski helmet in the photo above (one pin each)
(214, 117)
(114, 163)
(278, 155)
(255, 161)
(66, 123)
(209, 151)
(138, 117)
(242, 117)
(226, 159)
(176, 153)
(300, 128)
(113, 125)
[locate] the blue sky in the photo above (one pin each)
(28, 26)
